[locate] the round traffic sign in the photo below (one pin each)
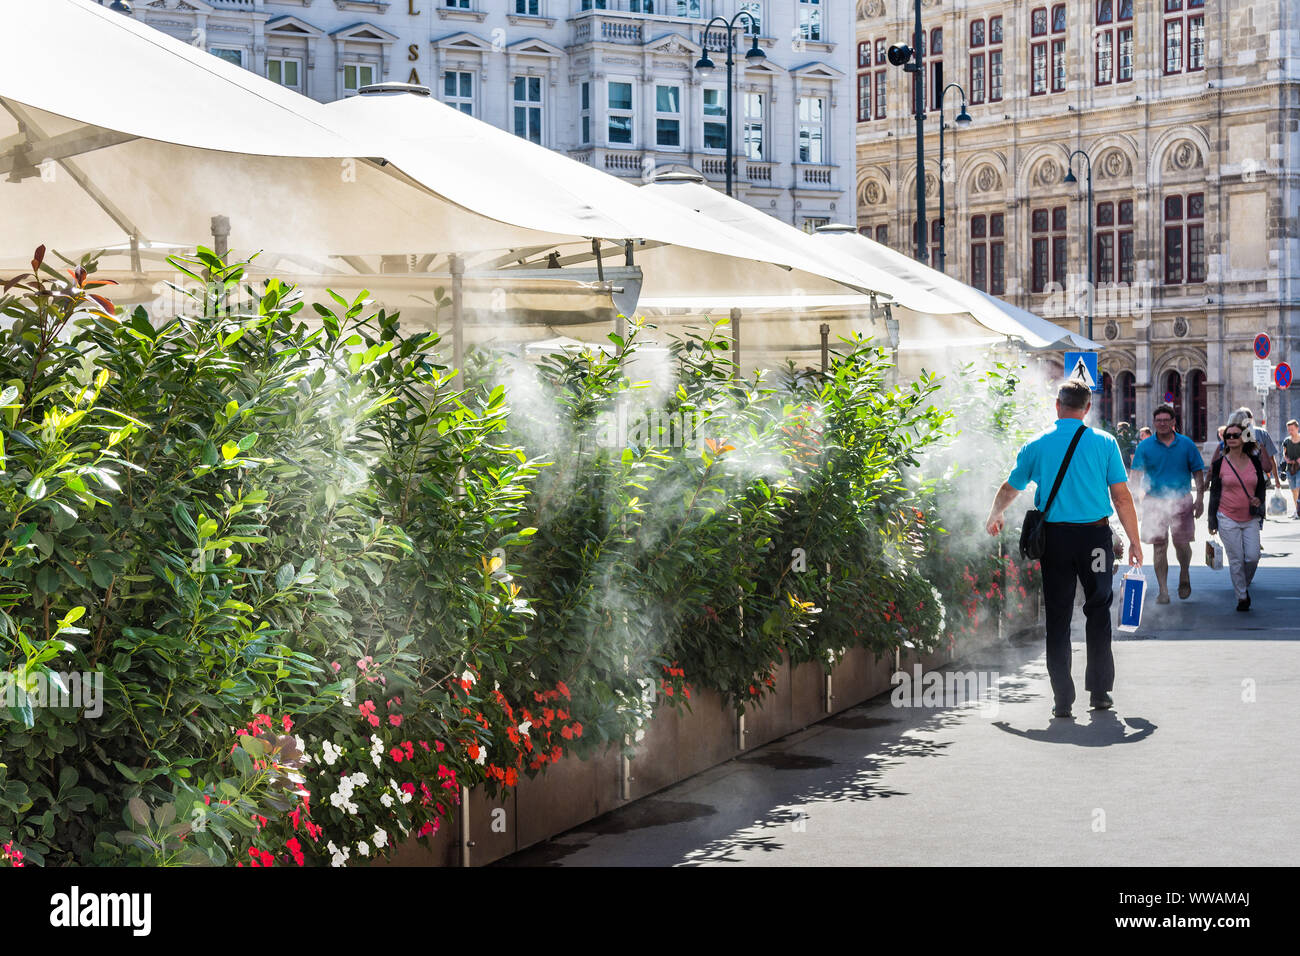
(1263, 344)
(1282, 375)
(1169, 398)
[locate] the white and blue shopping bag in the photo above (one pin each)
(1135, 592)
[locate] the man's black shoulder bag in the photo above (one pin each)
(1033, 535)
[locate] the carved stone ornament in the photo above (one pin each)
(987, 180)
(1048, 173)
(1181, 327)
(1115, 165)
(931, 184)
(871, 9)
(1112, 330)
(873, 194)
(1184, 156)
(928, 3)
(674, 48)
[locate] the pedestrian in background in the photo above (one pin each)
(1078, 547)
(1291, 462)
(1237, 489)
(1164, 465)
(1253, 434)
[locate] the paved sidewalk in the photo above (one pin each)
(1187, 770)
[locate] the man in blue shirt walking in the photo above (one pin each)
(1164, 466)
(1079, 546)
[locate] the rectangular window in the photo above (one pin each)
(864, 97)
(1105, 11)
(882, 235)
(285, 71)
(864, 54)
(880, 51)
(1038, 22)
(880, 94)
(1125, 42)
(976, 33)
(812, 127)
(979, 276)
(997, 257)
(1173, 46)
(668, 116)
(977, 78)
(687, 8)
(458, 4)
(458, 90)
(1195, 43)
(621, 113)
(995, 76)
(1058, 18)
(1058, 66)
(357, 75)
(715, 119)
(995, 29)
(1105, 64)
(1049, 247)
(528, 108)
(1105, 265)
(1126, 268)
(593, 4)
(1039, 64)
(230, 56)
(755, 123)
(529, 8)
(585, 113)
(810, 19)
(755, 9)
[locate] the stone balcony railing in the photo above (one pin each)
(641, 164)
(814, 176)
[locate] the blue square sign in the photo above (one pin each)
(1083, 366)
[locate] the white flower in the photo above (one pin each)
(482, 754)
(376, 750)
(468, 677)
(331, 752)
(380, 838)
(363, 848)
(386, 799)
(523, 728)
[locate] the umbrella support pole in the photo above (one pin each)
(458, 315)
(735, 341)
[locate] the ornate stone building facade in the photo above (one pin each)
(1187, 111)
(612, 83)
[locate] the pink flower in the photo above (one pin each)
(396, 720)
(396, 754)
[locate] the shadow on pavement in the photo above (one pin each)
(1104, 728)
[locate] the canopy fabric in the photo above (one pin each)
(911, 285)
(504, 176)
(993, 313)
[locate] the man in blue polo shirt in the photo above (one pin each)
(1164, 466)
(1079, 546)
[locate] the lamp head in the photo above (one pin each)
(1070, 178)
(963, 118)
(755, 55)
(705, 66)
(899, 53)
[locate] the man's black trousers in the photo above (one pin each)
(1082, 554)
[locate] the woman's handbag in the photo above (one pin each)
(1214, 555)
(1033, 533)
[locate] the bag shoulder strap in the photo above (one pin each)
(1060, 475)
(1238, 474)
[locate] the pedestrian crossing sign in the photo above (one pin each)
(1082, 367)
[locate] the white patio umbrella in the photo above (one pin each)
(114, 134)
(934, 310)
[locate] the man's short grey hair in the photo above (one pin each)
(1240, 416)
(1074, 394)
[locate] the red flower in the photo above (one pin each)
(567, 733)
(295, 850)
(396, 754)
(559, 685)
(288, 724)
(577, 730)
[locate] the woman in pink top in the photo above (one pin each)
(1237, 507)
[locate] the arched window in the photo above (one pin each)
(1196, 396)
(1172, 394)
(1126, 397)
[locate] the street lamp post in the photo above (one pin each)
(899, 54)
(705, 66)
(962, 120)
(1092, 285)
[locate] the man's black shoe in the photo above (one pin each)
(1247, 600)
(1243, 605)
(1102, 702)
(1062, 710)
